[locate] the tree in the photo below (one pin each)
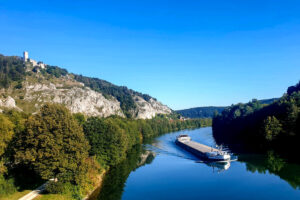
(6, 134)
(272, 128)
(53, 144)
(108, 140)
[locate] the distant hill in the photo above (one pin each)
(208, 111)
(268, 101)
(200, 112)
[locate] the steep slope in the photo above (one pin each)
(255, 126)
(27, 87)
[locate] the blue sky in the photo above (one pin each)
(184, 53)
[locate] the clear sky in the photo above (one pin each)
(184, 53)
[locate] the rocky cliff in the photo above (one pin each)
(43, 85)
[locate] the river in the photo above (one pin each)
(161, 170)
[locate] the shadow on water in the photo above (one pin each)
(114, 181)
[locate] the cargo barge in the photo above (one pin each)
(202, 151)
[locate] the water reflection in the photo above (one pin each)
(174, 168)
(114, 181)
(218, 166)
(274, 164)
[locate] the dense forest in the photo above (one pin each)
(259, 127)
(201, 112)
(12, 69)
(211, 111)
(70, 148)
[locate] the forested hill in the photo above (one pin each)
(268, 101)
(256, 126)
(200, 112)
(26, 87)
(210, 111)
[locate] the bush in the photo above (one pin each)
(64, 188)
(6, 186)
(55, 187)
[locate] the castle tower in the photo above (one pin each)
(25, 56)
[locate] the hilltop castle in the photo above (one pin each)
(33, 62)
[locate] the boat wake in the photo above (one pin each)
(168, 147)
(160, 150)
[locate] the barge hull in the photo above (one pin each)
(197, 149)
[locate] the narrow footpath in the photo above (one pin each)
(34, 193)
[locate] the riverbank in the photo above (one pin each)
(80, 151)
(176, 174)
(97, 185)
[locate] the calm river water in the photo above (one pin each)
(161, 170)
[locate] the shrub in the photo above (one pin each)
(6, 186)
(55, 187)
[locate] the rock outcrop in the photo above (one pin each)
(8, 102)
(77, 99)
(148, 109)
(96, 98)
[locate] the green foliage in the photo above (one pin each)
(110, 138)
(6, 186)
(6, 132)
(12, 69)
(108, 141)
(19, 85)
(256, 126)
(55, 187)
(79, 118)
(295, 88)
(273, 163)
(53, 144)
(211, 111)
(56, 71)
(200, 112)
(6, 135)
(272, 128)
(121, 93)
(68, 189)
(114, 181)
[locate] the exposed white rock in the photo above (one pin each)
(8, 102)
(78, 100)
(148, 110)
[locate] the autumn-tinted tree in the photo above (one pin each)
(53, 144)
(6, 134)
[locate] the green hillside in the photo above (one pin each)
(258, 127)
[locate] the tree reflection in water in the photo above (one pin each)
(274, 164)
(114, 181)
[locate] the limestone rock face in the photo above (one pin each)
(77, 99)
(37, 90)
(8, 102)
(148, 109)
